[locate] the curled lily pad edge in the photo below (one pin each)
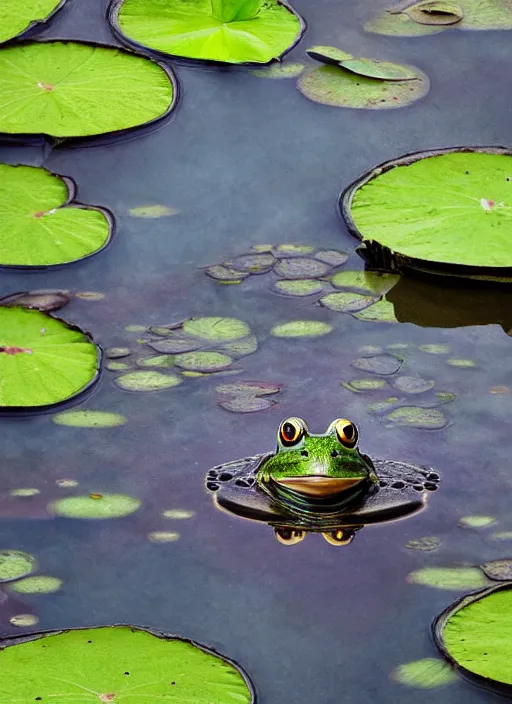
(34, 26)
(105, 138)
(70, 202)
(381, 258)
(113, 22)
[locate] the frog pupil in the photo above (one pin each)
(349, 432)
(289, 431)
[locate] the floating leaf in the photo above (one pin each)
(135, 328)
(328, 54)
(425, 544)
(291, 250)
(335, 86)
(15, 564)
(435, 349)
(498, 570)
(203, 361)
(428, 208)
(383, 70)
(466, 363)
(176, 344)
(178, 514)
(416, 417)
(380, 312)
(247, 404)
(412, 384)
(95, 506)
(301, 328)
(253, 263)
(283, 70)
(146, 381)
(331, 256)
(476, 521)
(163, 536)
(370, 282)
(117, 366)
(346, 302)
(36, 585)
(90, 295)
(45, 301)
(24, 620)
(222, 273)
(192, 29)
(66, 483)
(43, 361)
(105, 664)
(501, 535)
(435, 12)
(298, 287)
(445, 396)
(381, 407)
(399, 24)
(117, 352)
(89, 419)
(458, 578)
(157, 360)
(152, 211)
(216, 329)
(359, 385)
(40, 224)
(242, 347)
(385, 364)
(249, 388)
(72, 89)
(301, 268)
(24, 492)
(426, 673)
(16, 18)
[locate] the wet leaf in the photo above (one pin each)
(249, 388)
(242, 347)
(416, 417)
(253, 263)
(247, 404)
(498, 570)
(331, 256)
(89, 419)
(15, 564)
(435, 12)
(425, 544)
(158, 360)
(412, 384)
(18, 17)
(347, 302)
(117, 352)
(458, 578)
(221, 273)
(369, 282)
(384, 364)
(301, 328)
(203, 361)
(477, 521)
(301, 268)
(427, 673)
(45, 301)
(383, 70)
(380, 312)
(467, 363)
(152, 211)
(104, 506)
(298, 287)
(146, 381)
(215, 329)
(328, 54)
(360, 385)
(36, 585)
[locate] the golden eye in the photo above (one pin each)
(289, 536)
(291, 431)
(346, 432)
(339, 537)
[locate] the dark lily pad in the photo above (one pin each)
(384, 364)
(59, 89)
(412, 384)
(146, 381)
(301, 268)
(15, 564)
(298, 287)
(42, 225)
(43, 361)
(427, 673)
(249, 388)
(104, 665)
(381, 312)
(498, 570)
(331, 256)
(347, 302)
(95, 506)
(435, 12)
(45, 301)
(225, 274)
(425, 544)
(417, 417)
(227, 31)
(203, 361)
(254, 263)
(247, 404)
(301, 328)
(16, 18)
(176, 344)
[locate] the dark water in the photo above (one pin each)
(247, 160)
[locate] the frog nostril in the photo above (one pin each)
(334, 453)
(305, 453)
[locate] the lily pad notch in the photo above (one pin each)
(251, 33)
(65, 68)
(105, 661)
(49, 227)
(22, 19)
(466, 189)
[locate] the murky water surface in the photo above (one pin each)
(245, 161)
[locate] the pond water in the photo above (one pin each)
(247, 160)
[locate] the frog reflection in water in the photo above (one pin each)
(311, 469)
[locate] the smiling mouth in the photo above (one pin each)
(317, 486)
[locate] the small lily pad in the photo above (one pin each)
(288, 69)
(498, 570)
(379, 69)
(24, 620)
(178, 514)
(501, 535)
(384, 364)
(117, 365)
(334, 257)
(380, 312)
(301, 268)
(445, 396)
(146, 381)
(157, 360)
(215, 329)
(347, 302)
(425, 544)
(117, 352)
(163, 536)
(39, 584)
(253, 263)
(398, 24)
(435, 349)
(89, 419)
(301, 328)
(427, 673)
(466, 363)
(413, 384)
(24, 492)
(242, 347)
(17, 18)
(458, 578)
(381, 407)
(435, 12)
(90, 295)
(369, 282)
(15, 564)
(203, 361)
(249, 388)
(45, 301)
(247, 404)
(328, 54)
(95, 506)
(477, 521)
(152, 211)
(360, 385)
(176, 344)
(291, 250)
(298, 287)
(226, 274)
(416, 417)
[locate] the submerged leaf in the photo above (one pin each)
(347, 302)
(417, 417)
(288, 69)
(249, 388)
(435, 12)
(459, 578)
(152, 211)
(384, 364)
(371, 282)
(360, 385)
(426, 673)
(298, 287)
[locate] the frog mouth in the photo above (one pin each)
(319, 486)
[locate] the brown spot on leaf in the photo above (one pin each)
(15, 350)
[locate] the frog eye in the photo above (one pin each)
(346, 432)
(291, 431)
(289, 536)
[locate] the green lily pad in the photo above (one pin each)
(242, 347)
(290, 250)
(288, 69)
(95, 506)
(347, 302)
(301, 328)
(228, 31)
(425, 544)
(379, 69)
(15, 564)
(104, 665)
(328, 54)
(225, 274)
(384, 364)
(458, 578)
(152, 211)
(445, 396)
(175, 344)
(417, 417)
(398, 24)
(331, 256)
(360, 385)
(501, 535)
(435, 12)
(253, 263)
(369, 282)
(475, 634)
(381, 407)
(89, 419)
(435, 349)
(157, 360)
(215, 329)
(247, 404)
(412, 384)
(339, 87)
(427, 673)
(477, 521)
(498, 570)
(146, 381)
(41, 225)
(436, 208)
(45, 301)
(16, 18)
(203, 361)
(43, 361)
(115, 365)
(39, 584)
(117, 352)
(301, 268)
(380, 312)
(298, 287)
(24, 492)
(466, 363)
(71, 89)
(178, 514)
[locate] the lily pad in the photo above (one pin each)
(176, 344)
(457, 578)
(227, 31)
(247, 404)
(15, 564)
(301, 268)
(412, 384)
(301, 328)
(104, 665)
(328, 54)
(289, 69)
(152, 211)
(369, 282)
(466, 363)
(241, 347)
(498, 570)
(146, 381)
(290, 250)
(41, 225)
(215, 329)
(225, 274)
(381, 312)
(95, 506)
(43, 361)
(178, 514)
(24, 620)
(253, 263)
(16, 18)
(163, 536)
(435, 12)
(39, 584)
(477, 521)
(331, 256)
(347, 302)
(339, 87)
(384, 364)
(45, 301)
(435, 349)
(298, 287)
(398, 24)
(72, 89)
(89, 419)
(360, 385)
(416, 417)
(24, 492)
(249, 388)
(435, 209)
(379, 69)
(427, 673)
(425, 544)
(203, 361)
(501, 535)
